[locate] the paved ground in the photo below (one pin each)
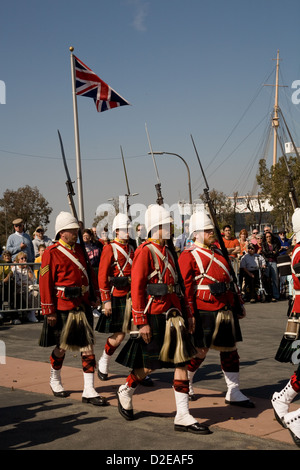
(32, 418)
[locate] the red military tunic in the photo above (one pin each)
(215, 267)
(296, 279)
(143, 272)
(58, 270)
(116, 259)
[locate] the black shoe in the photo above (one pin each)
(102, 376)
(195, 428)
(62, 394)
(127, 414)
(97, 401)
(243, 404)
(147, 382)
(295, 438)
(192, 397)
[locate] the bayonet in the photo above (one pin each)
(69, 182)
(127, 184)
(160, 199)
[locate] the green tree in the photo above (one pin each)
(277, 184)
(27, 203)
(223, 207)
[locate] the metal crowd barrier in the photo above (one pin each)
(19, 293)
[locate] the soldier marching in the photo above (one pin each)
(67, 309)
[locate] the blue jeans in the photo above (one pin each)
(273, 274)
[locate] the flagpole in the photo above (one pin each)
(77, 145)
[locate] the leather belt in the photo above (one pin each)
(73, 291)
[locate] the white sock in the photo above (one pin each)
(292, 421)
(233, 387)
(103, 363)
(183, 416)
(88, 381)
(125, 394)
(55, 380)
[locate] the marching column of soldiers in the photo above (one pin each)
(173, 310)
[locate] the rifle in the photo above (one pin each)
(132, 242)
(71, 193)
(237, 304)
(160, 201)
(186, 349)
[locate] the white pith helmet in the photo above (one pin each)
(200, 221)
(296, 223)
(65, 221)
(121, 221)
(156, 215)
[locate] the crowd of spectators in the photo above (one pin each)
(256, 259)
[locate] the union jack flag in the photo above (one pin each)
(90, 85)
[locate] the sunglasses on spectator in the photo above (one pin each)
(254, 233)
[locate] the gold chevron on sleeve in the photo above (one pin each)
(44, 270)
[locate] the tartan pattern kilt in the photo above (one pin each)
(113, 323)
(205, 325)
(50, 335)
(137, 354)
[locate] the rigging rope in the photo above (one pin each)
(199, 179)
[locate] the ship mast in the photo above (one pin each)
(275, 120)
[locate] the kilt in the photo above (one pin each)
(137, 354)
(205, 331)
(50, 335)
(113, 323)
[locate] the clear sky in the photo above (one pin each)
(187, 67)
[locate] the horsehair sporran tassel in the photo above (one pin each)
(77, 333)
(189, 350)
(185, 349)
(224, 333)
(170, 332)
(175, 347)
(179, 353)
(127, 315)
